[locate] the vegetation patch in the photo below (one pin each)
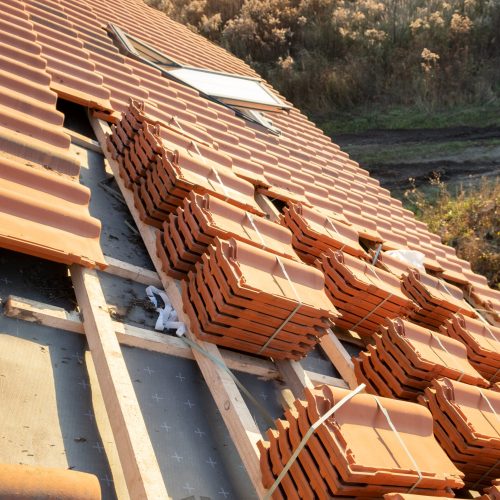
(469, 222)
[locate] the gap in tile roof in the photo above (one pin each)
(35, 279)
(75, 117)
(279, 204)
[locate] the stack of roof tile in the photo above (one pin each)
(247, 298)
(482, 342)
(407, 357)
(162, 165)
(438, 300)
(315, 232)
(493, 491)
(467, 425)
(192, 228)
(411, 496)
(365, 295)
(355, 452)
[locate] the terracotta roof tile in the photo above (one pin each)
(42, 212)
(355, 452)
(46, 215)
(467, 426)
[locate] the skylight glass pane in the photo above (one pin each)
(230, 89)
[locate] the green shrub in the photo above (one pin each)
(469, 221)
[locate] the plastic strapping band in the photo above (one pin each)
(250, 218)
(291, 315)
(487, 473)
(488, 402)
(174, 119)
(401, 442)
(335, 229)
(437, 339)
(487, 326)
(222, 365)
(307, 435)
(377, 254)
(371, 312)
(219, 180)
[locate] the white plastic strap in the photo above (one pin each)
(488, 329)
(490, 406)
(443, 284)
(371, 312)
(250, 218)
(167, 316)
(401, 442)
(438, 340)
(307, 435)
(335, 229)
(174, 119)
(292, 314)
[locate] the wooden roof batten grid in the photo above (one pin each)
(233, 409)
(137, 459)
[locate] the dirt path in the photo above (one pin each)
(460, 155)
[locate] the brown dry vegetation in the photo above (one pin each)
(339, 54)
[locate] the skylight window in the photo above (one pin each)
(240, 91)
(132, 46)
(247, 96)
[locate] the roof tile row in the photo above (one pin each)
(356, 451)
(407, 357)
(467, 425)
(43, 208)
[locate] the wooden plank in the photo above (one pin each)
(129, 271)
(104, 427)
(237, 417)
(340, 358)
(83, 141)
(295, 377)
(267, 206)
(132, 336)
(137, 457)
(319, 379)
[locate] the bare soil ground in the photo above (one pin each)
(460, 155)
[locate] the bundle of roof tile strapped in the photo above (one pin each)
(163, 164)
(249, 299)
(370, 446)
(467, 426)
(194, 226)
(482, 342)
(246, 287)
(364, 294)
(407, 357)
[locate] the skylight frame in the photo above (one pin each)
(129, 49)
(247, 109)
(273, 104)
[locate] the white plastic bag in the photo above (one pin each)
(410, 257)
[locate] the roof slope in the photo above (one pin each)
(70, 43)
(43, 208)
